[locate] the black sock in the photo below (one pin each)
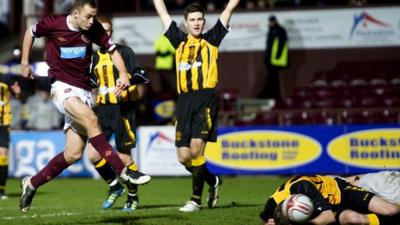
(189, 167)
(210, 178)
(388, 220)
(198, 183)
(105, 171)
(3, 178)
(132, 189)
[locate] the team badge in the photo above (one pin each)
(61, 39)
(84, 38)
(67, 90)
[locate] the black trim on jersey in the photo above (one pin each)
(189, 71)
(175, 35)
(200, 77)
(215, 35)
(2, 96)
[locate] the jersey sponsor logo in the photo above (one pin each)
(262, 150)
(73, 52)
(373, 148)
(187, 66)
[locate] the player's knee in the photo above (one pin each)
(185, 160)
(91, 120)
(348, 217)
(184, 156)
(72, 157)
(93, 155)
(196, 145)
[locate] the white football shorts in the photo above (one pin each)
(61, 91)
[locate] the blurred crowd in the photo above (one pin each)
(123, 6)
(265, 4)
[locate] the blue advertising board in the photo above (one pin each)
(30, 151)
(255, 150)
(307, 149)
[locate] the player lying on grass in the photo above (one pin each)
(335, 201)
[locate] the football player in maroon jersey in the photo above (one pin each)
(68, 54)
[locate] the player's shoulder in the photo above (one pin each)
(56, 18)
(54, 21)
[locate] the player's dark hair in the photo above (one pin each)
(193, 7)
(278, 216)
(78, 4)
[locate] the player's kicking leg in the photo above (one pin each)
(74, 147)
(28, 192)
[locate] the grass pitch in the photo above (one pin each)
(78, 201)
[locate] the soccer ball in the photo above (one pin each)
(298, 208)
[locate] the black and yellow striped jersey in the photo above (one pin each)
(106, 75)
(5, 113)
(196, 58)
(326, 185)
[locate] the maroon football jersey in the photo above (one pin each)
(68, 50)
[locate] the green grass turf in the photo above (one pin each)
(78, 201)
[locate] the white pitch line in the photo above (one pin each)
(42, 215)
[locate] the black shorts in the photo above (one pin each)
(118, 120)
(196, 117)
(4, 136)
(353, 197)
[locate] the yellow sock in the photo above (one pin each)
(101, 163)
(373, 219)
(199, 161)
(3, 160)
(133, 167)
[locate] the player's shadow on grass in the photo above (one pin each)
(237, 205)
(158, 206)
(18, 194)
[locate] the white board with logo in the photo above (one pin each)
(156, 152)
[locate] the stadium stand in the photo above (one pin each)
(350, 93)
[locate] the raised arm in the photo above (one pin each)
(227, 13)
(27, 43)
(163, 13)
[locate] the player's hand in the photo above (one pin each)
(122, 84)
(26, 71)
